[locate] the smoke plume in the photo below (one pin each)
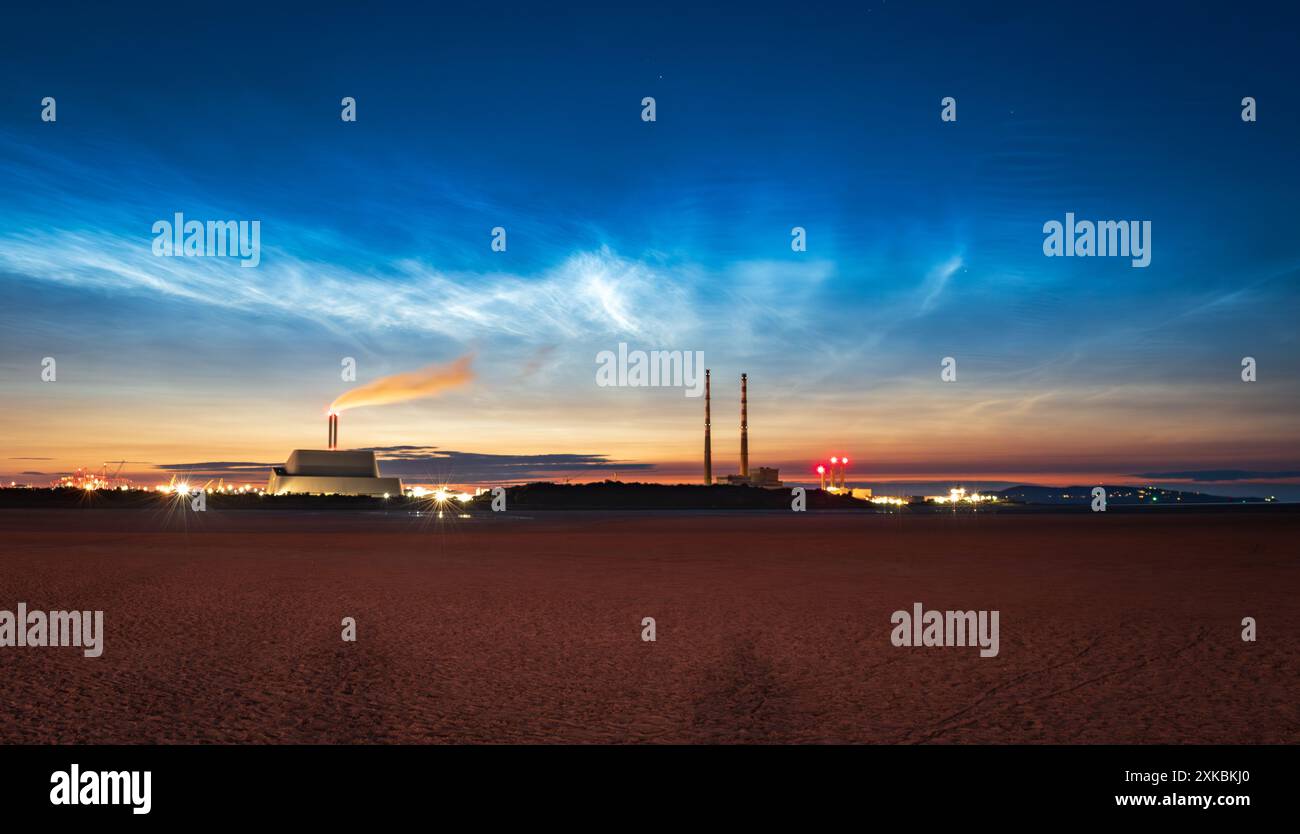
(412, 385)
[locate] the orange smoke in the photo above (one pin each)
(412, 385)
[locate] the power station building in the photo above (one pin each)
(768, 477)
(331, 472)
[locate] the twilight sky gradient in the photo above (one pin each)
(924, 238)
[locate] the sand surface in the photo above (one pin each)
(225, 627)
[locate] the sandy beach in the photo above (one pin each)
(771, 627)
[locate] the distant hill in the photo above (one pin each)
(1115, 495)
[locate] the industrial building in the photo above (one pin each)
(763, 476)
(331, 472)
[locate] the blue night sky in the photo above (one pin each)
(924, 237)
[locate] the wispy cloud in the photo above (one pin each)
(588, 293)
(936, 282)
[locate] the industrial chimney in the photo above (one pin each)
(334, 430)
(708, 433)
(744, 426)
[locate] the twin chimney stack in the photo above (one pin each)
(708, 432)
(334, 431)
(708, 429)
(744, 426)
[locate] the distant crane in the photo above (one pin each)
(110, 481)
